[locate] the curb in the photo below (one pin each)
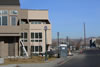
(65, 60)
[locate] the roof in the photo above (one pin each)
(9, 2)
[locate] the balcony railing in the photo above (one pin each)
(9, 31)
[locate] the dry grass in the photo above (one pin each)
(34, 59)
(51, 59)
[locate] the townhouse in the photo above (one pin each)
(22, 24)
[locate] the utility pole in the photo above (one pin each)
(84, 36)
(67, 39)
(58, 45)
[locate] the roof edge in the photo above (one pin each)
(36, 9)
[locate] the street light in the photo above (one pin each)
(45, 28)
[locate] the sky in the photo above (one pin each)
(68, 16)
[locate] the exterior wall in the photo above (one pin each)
(3, 49)
(9, 8)
(23, 14)
(37, 14)
(16, 49)
(36, 28)
(40, 28)
(25, 28)
(10, 30)
(33, 14)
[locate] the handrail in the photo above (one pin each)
(23, 48)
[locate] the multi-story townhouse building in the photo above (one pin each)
(22, 24)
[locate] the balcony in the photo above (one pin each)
(24, 27)
(39, 26)
(9, 31)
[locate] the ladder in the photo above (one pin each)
(23, 47)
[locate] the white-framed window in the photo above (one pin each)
(13, 20)
(14, 12)
(44, 22)
(3, 17)
(0, 12)
(0, 21)
(36, 22)
(24, 36)
(36, 49)
(36, 36)
(32, 48)
(23, 22)
(4, 12)
(3, 20)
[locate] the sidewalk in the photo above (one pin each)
(54, 63)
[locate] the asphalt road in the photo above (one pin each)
(89, 58)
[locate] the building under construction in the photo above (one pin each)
(21, 30)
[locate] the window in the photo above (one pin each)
(4, 12)
(40, 48)
(3, 17)
(4, 20)
(24, 36)
(32, 48)
(36, 36)
(25, 40)
(32, 23)
(36, 41)
(36, 49)
(40, 40)
(0, 12)
(14, 12)
(36, 22)
(32, 40)
(0, 20)
(26, 48)
(40, 35)
(23, 22)
(32, 35)
(13, 20)
(44, 22)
